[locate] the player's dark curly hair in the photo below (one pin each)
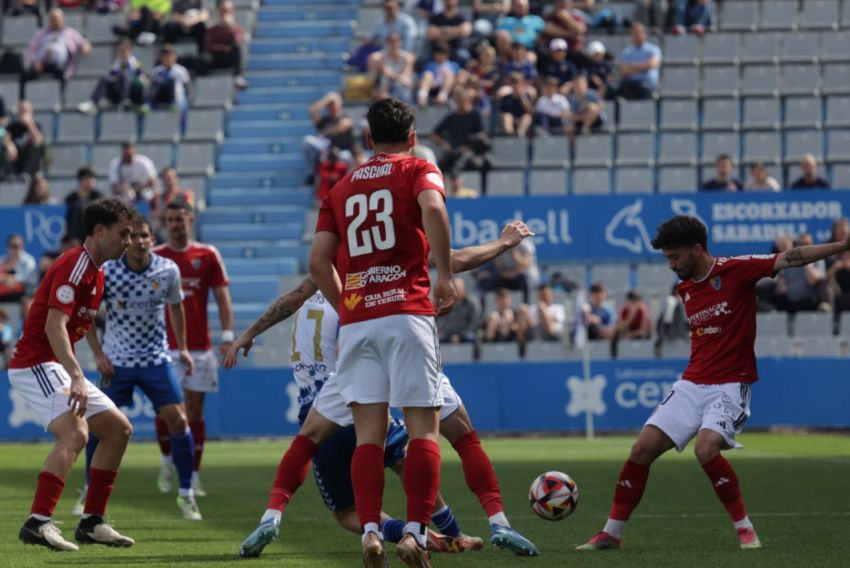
(105, 211)
(390, 121)
(680, 231)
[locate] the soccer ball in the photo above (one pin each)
(553, 496)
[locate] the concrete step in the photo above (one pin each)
(262, 198)
(242, 231)
(242, 163)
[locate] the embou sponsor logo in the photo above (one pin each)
(708, 330)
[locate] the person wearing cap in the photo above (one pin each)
(600, 73)
(639, 66)
(560, 67)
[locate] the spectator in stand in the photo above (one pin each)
(8, 153)
(760, 179)
(132, 176)
(171, 191)
(560, 67)
(28, 139)
(652, 14)
(394, 21)
(3, 118)
(838, 271)
(49, 257)
(124, 85)
(563, 22)
(223, 42)
(489, 11)
(486, 71)
(502, 325)
(598, 317)
(516, 105)
(517, 26)
(392, 70)
(461, 324)
(546, 319)
(18, 274)
(188, 20)
(463, 140)
(451, 27)
(810, 178)
(693, 16)
(170, 83)
(520, 61)
(515, 269)
(144, 20)
(38, 192)
(587, 109)
(7, 337)
(634, 320)
(331, 169)
(723, 179)
(438, 78)
(55, 49)
(78, 200)
(803, 288)
(17, 7)
(639, 66)
(335, 129)
(552, 110)
(600, 72)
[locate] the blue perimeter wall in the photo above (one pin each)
(513, 397)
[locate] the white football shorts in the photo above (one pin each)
(45, 387)
(205, 377)
(394, 359)
(689, 408)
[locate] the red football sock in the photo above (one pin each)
(291, 472)
(629, 490)
(100, 488)
(47, 493)
(725, 483)
(479, 473)
(421, 479)
(163, 436)
(199, 435)
(367, 477)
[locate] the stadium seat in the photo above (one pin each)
(161, 156)
(205, 125)
(457, 352)
(844, 328)
(681, 50)
(738, 15)
(720, 114)
(213, 91)
(838, 145)
(9, 92)
(635, 149)
(800, 80)
(636, 349)
(634, 180)
(118, 126)
(97, 63)
(507, 182)
(840, 176)
(760, 80)
(679, 82)
(803, 112)
(575, 272)
(548, 182)
(428, 118)
(654, 277)
(800, 47)
(721, 48)
(772, 323)
(677, 180)
(677, 148)
(75, 127)
(47, 121)
(615, 276)
(12, 195)
(778, 15)
(801, 142)
(593, 150)
(65, 160)
(836, 79)
(678, 114)
(833, 45)
(762, 147)
(591, 181)
(837, 111)
(78, 91)
(819, 14)
(510, 152)
(550, 152)
(196, 158)
(161, 126)
(637, 116)
(599, 350)
(676, 349)
(99, 27)
(761, 113)
(499, 352)
(761, 48)
(17, 32)
(773, 346)
(716, 143)
(817, 346)
(810, 324)
(545, 351)
(472, 180)
(720, 81)
(101, 156)
(44, 94)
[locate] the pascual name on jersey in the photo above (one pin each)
(372, 172)
(375, 275)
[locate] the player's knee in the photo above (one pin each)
(643, 453)
(705, 452)
(76, 440)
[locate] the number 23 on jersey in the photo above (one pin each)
(363, 238)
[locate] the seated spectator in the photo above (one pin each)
(334, 129)
(598, 317)
(38, 192)
(634, 321)
(489, 11)
(49, 257)
(563, 22)
(331, 169)
(639, 66)
(515, 269)
(760, 179)
(516, 105)
(486, 72)
(170, 81)
(544, 320)
(838, 267)
(520, 61)
(723, 179)
(693, 16)
(461, 324)
(502, 325)
(18, 274)
(392, 70)
(600, 73)
(394, 20)
(7, 337)
(451, 27)
(223, 42)
(552, 110)
(144, 20)
(124, 85)
(587, 109)
(463, 141)
(810, 178)
(438, 77)
(78, 200)
(560, 67)
(132, 176)
(55, 48)
(517, 26)
(188, 19)
(8, 153)
(803, 288)
(28, 139)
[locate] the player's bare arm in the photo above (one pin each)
(178, 323)
(286, 305)
(436, 223)
(60, 344)
(801, 256)
(225, 315)
(321, 266)
(470, 258)
(102, 362)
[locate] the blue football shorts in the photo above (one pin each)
(158, 382)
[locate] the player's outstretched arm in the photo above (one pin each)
(322, 254)
(60, 344)
(470, 258)
(178, 324)
(279, 310)
(801, 256)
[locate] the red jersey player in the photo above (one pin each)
(45, 372)
(201, 270)
(712, 400)
(377, 225)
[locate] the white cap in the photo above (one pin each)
(557, 44)
(595, 47)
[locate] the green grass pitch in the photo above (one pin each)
(796, 489)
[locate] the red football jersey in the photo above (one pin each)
(73, 285)
(383, 254)
(201, 268)
(721, 310)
